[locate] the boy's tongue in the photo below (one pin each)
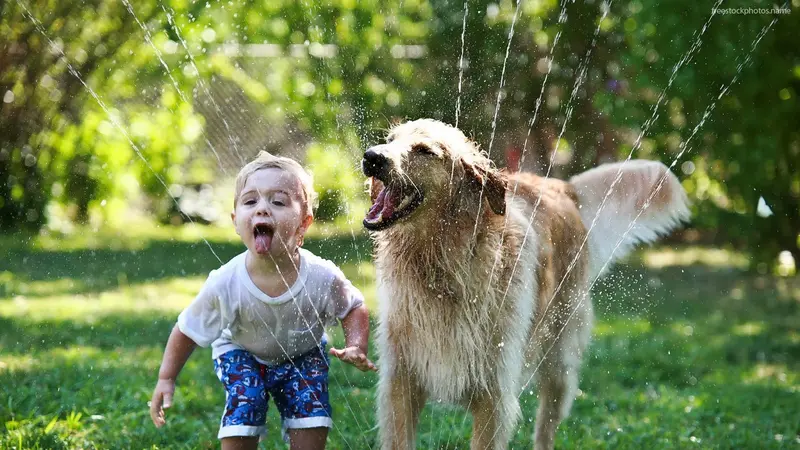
(263, 241)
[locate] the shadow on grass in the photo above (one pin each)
(110, 389)
(682, 291)
(731, 415)
(676, 325)
(95, 270)
(678, 353)
(21, 336)
(112, 398)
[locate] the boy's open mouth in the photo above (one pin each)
(263, 237)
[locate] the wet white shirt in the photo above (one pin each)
(231, 312)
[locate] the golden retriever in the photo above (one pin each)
(483, 276)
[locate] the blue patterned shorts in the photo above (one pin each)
(298, 387)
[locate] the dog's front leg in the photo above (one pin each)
(494, 416)
(400, 401)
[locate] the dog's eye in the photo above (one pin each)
(424, 149)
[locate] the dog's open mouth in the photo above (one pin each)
(262, 234)
(392, 204)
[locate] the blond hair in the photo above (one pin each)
(266, 160)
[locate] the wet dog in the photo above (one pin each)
(484, 276)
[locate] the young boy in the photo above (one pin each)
(264, 314)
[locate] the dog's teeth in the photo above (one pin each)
(406, 201)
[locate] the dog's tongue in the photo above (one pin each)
(382, 208)
(263, 241)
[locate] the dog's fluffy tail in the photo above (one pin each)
(646, 187)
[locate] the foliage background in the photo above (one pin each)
(192, 84)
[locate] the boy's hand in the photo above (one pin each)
(355, 356)
(162, 399)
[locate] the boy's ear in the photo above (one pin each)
(303, 228)
(307, 223)
(233, 219)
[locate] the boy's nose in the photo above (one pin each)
(261, 207)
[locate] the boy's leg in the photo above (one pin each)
(239, 443)
(301, 395)
(308, 438)
(246, 399)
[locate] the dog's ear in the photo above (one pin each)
(496, 192)
(491, 181)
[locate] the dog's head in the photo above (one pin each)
(428, 165)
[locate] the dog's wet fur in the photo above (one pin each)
(483, 276)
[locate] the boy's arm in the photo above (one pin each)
(356, 336)
(356, 328)
(179, 348)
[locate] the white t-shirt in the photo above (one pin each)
(231, 312)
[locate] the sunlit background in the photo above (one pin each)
(123, 123)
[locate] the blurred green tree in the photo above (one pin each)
(340, 72)
(56, 140)
(749, 145)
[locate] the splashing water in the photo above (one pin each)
(308, 325)
(494, 120)
(461, 60)
(685, 145)
(458, 111)
(706, 114)
(686, 57)
(125, 133)
(497, 105)
(111, 116)
(503, 77)
(654, 115)
(690, 53)
(460, 81)
(203, 85)
(149, 39)
(562, 18)
(582, 68)
(578, 82)
(579, 79)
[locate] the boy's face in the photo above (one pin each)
(270, 213)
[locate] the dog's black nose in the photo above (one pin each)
(374, 163)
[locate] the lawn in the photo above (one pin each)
(688, 351)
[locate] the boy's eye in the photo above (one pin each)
(278, 203)
(250, 202)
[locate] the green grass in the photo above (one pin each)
(687, 350)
